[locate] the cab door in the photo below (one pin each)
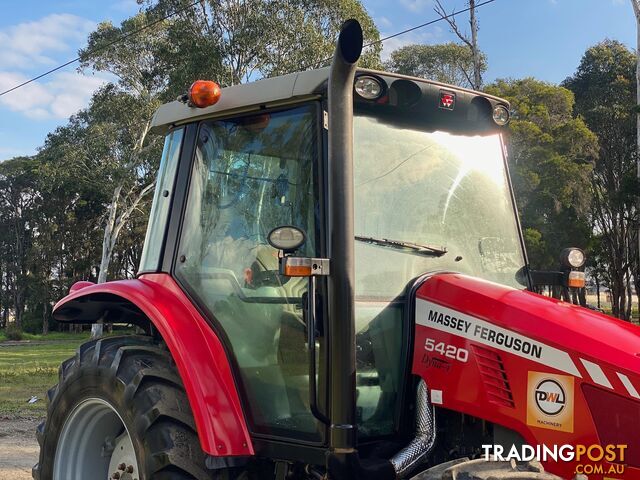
(249, 175)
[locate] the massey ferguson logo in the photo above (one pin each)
(447, 100)
(550, 397)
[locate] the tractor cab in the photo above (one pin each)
(431, 193)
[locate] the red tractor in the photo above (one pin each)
(334, 285)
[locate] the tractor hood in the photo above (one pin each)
(572, 331)
(553, 372)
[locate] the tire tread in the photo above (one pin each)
(145, 379)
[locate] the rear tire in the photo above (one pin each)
(133, 379)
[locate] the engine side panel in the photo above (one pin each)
(518, 360)
(198, 352)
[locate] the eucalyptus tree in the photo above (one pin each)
(235, 41)
(446, 62)
(470, 40)
(551, 157)
(167, 45)
(18, 195)
(605, 90)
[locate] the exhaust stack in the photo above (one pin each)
(343, 460)
(413, 454)
(341, 249)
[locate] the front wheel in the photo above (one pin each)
(119, 412)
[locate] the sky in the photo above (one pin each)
(544, 39)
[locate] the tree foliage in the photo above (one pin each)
(470, 40)
(446, 62)
(78, 209)
(605, 90)
(552, 153)
(235, 41)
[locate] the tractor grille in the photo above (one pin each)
(495, 377)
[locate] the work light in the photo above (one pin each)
(572, 257)
(500, 115)
(368, 87)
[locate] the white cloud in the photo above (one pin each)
(415, 6)
(383, 22)
(31, 44)
(58, 97)
(419, 37)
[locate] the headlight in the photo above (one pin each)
(368, 87)
(572, 257)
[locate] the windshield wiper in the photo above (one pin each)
(408, 247)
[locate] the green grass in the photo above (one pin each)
(51, 336)
(27, 370)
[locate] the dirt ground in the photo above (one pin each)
(18, 448)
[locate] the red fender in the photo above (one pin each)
(199, 355)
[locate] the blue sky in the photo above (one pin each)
(540, 38)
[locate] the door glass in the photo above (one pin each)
(160, 208)
(250, 175)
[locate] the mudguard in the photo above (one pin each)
(198, 352)
(555, 373)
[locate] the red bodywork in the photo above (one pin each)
(539, 348)
(199, 355)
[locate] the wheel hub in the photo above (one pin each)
(123, 465)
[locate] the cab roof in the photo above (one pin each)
(270, 92)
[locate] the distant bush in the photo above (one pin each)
(13, 333)
(32, 321)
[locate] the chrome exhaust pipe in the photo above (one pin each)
(405, 461)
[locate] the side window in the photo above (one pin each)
(250, 175)
(159, 214)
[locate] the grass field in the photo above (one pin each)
(29, 369)
(48, 337)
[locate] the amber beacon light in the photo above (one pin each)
(204, 93)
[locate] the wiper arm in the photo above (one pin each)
(408, 247)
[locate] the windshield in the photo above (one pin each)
(436, 189)
(424, 201)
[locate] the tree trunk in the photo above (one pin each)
(629, 298)
(112, 229)
(107, 239)
(471, 43)
(582, 297)
(45, 319)
(473, 21)
(107, 249)
(615, 290)
(18, 305)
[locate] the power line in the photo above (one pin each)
(431, 22)
(191, 5)
(102, 47)
(451, 15)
